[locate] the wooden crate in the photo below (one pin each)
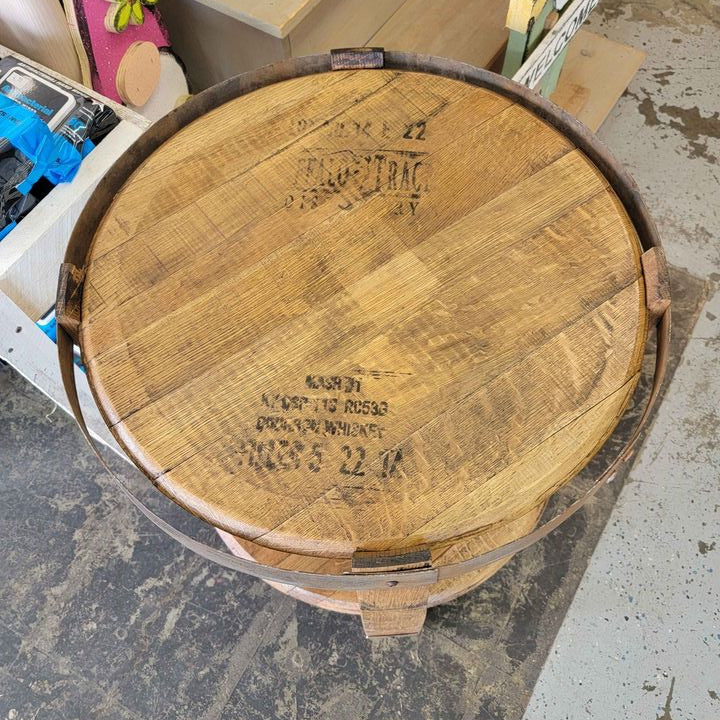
(30, 256)
(31, 253)
(245, 34)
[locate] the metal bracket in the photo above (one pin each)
(657, 282)
(68, 306)
(357, 58)
(397, 610)
(367, 562)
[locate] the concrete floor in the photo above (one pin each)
(102, 617)
(642, 636)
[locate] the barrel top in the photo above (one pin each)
(363, 310)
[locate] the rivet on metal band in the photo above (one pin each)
(357, 58)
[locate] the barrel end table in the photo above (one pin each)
(365, 313)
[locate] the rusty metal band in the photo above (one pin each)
(72, 275)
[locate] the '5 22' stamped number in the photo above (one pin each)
(283, 455)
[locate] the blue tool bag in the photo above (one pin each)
(46, 129)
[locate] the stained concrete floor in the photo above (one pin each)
(102, 617)
(642, 636)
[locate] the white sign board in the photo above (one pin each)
(533, 69)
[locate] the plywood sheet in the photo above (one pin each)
(472, 31)
(601, 66)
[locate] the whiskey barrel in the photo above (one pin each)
(364, 313)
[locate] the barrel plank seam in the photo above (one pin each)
(147, 168)
(220, 522)
(626, 384)
(506, 106)
(93, 361)
(149, 178)
(563, 481)
(282, 329)
(201, 450)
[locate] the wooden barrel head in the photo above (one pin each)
(363, 309)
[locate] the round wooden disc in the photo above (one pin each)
(138, 73)
(363, 309)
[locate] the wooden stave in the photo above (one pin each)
(441, 592)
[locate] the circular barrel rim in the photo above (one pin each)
(82, 237)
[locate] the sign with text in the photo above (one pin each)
(535, 67)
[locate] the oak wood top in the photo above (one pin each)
(364, 310)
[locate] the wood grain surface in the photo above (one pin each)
(595, 74)
(471, 31)
(364, 310)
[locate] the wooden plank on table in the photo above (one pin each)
(601, 66)
(341, 23)
(471, 31)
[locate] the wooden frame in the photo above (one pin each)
(547, 56)
(32, 252)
